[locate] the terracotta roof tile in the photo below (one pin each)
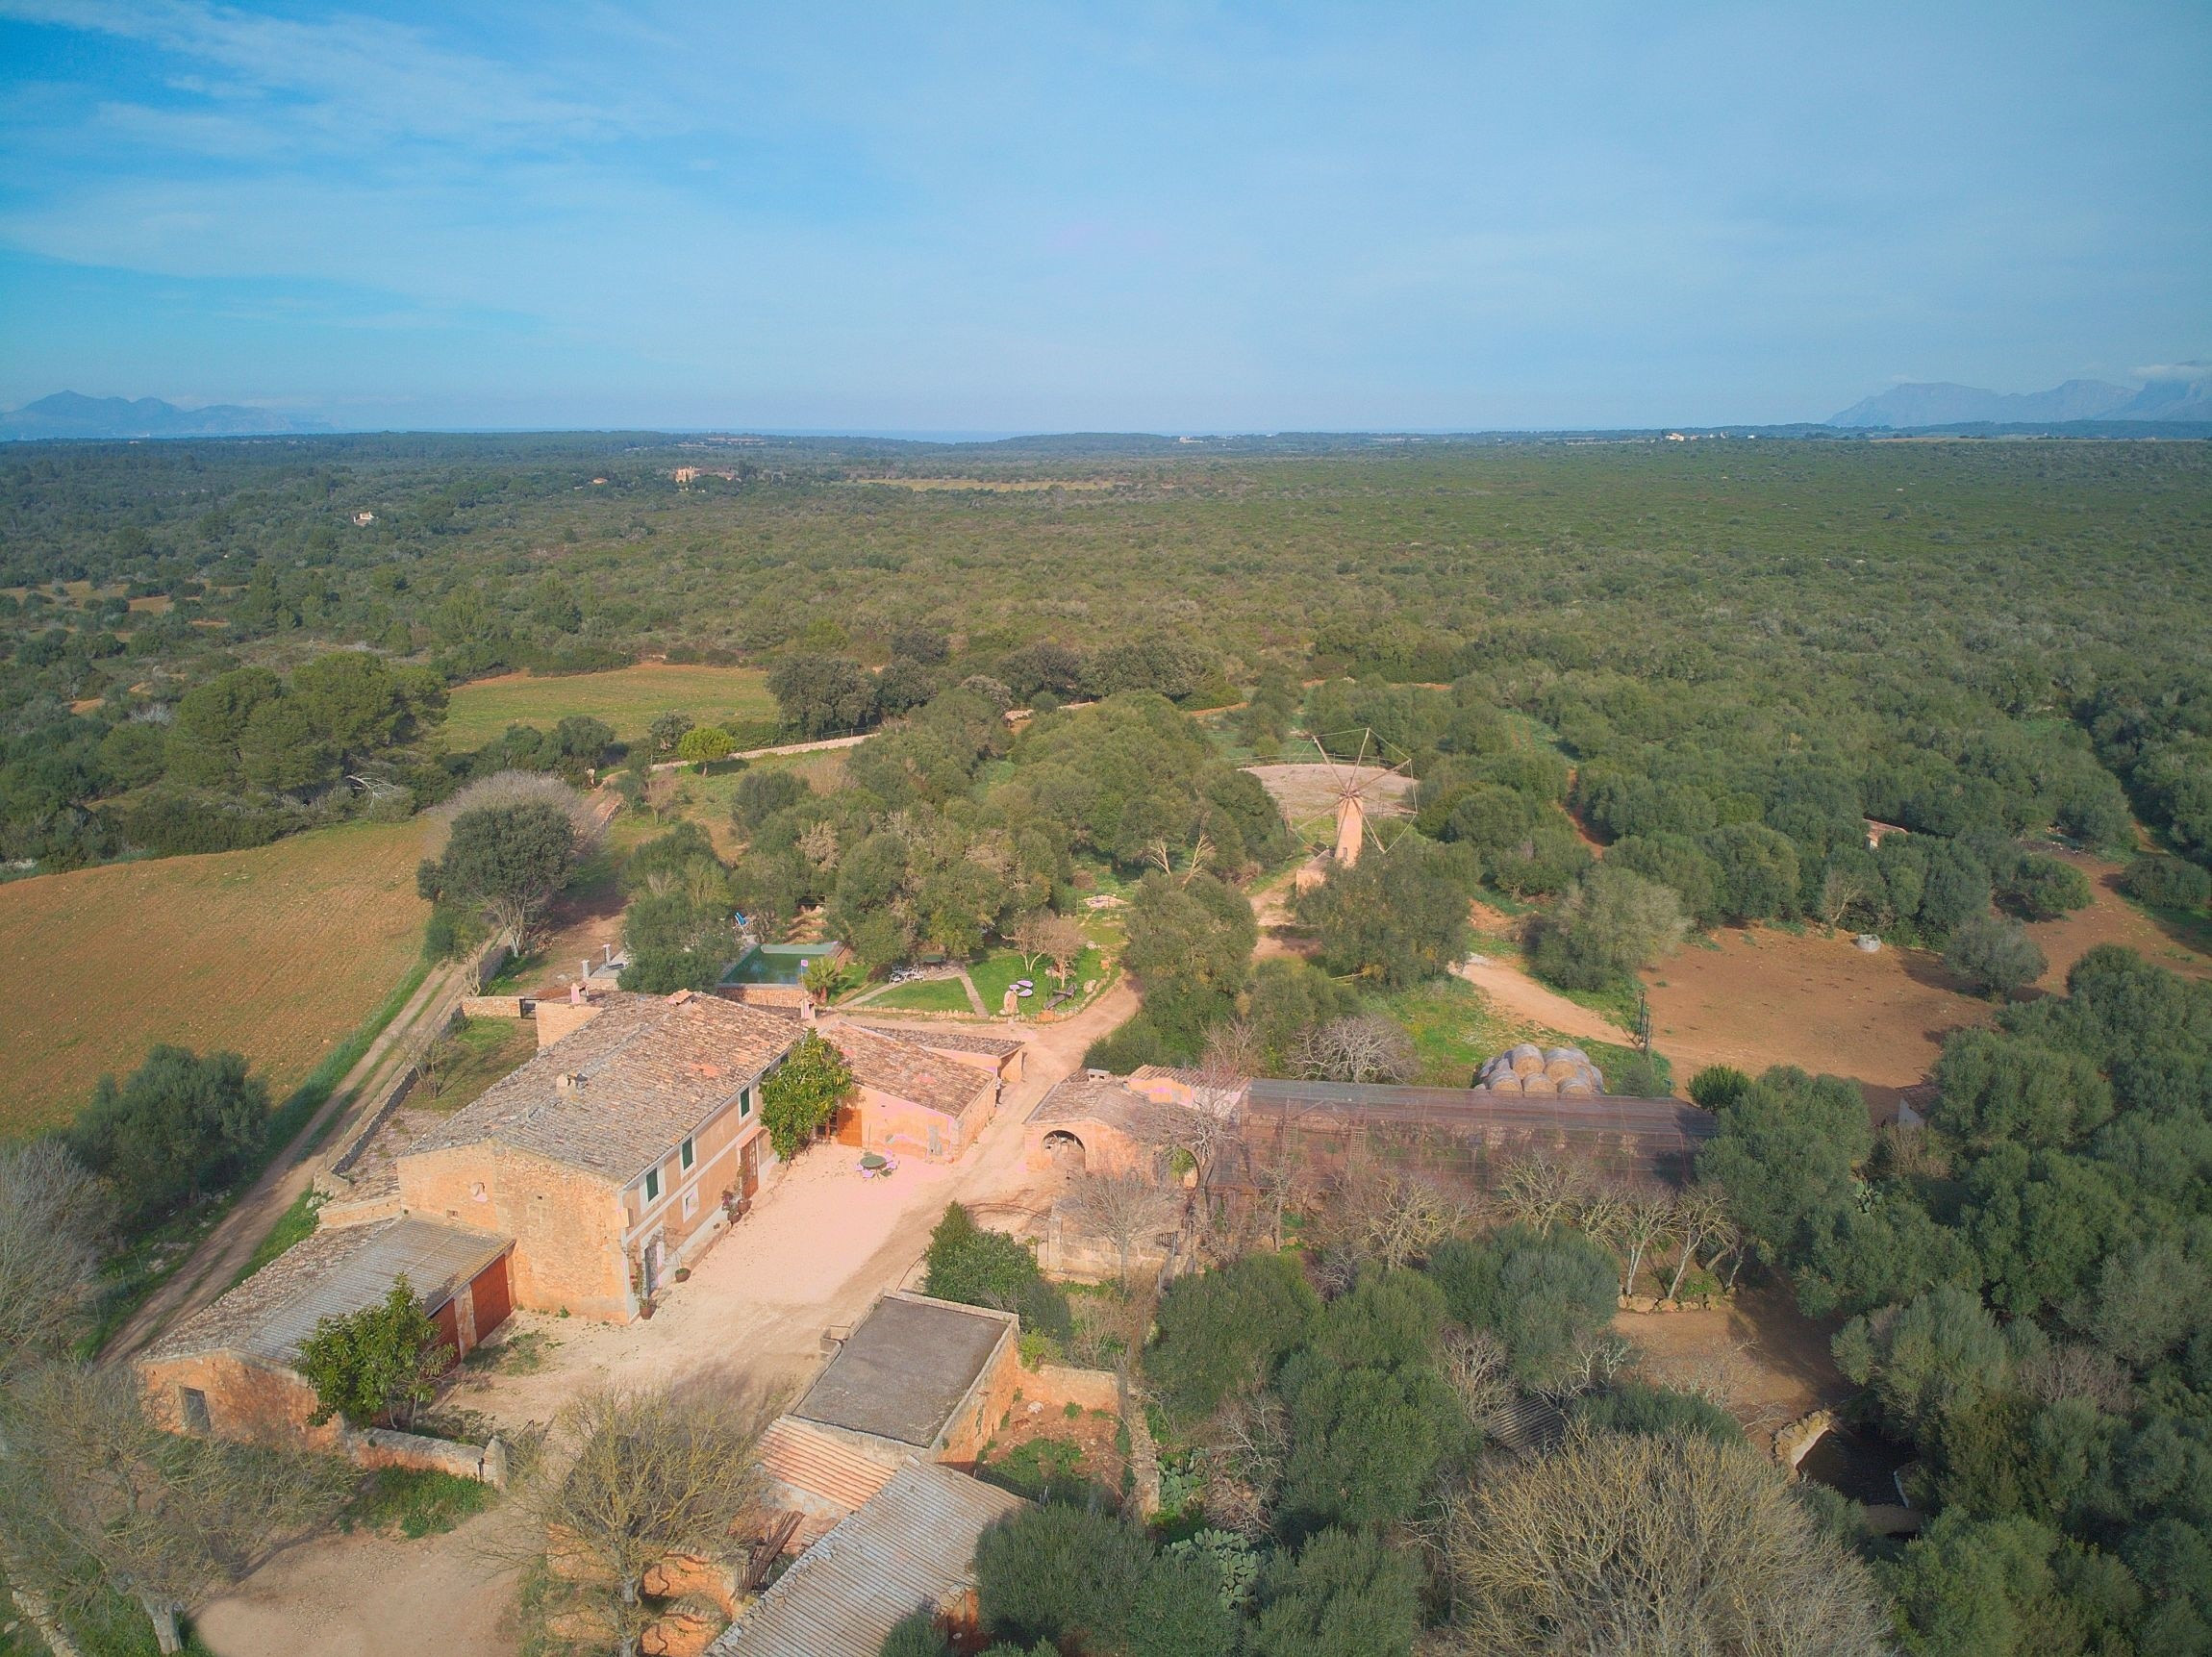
(901, 1067)
(331, 1274)
(646, 1071)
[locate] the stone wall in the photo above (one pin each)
(788, 997)
(1062, 1384)
(496, 1006)
(568, 1224)
(382, 1448)
(985, 1404)
(247, 1402)
(899, 1127)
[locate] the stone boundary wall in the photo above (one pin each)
(784, 995)
(496, 1006)
(1063, 1383)
(348, 1151)
(375, 1448)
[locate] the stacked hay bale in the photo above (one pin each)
(1541, 1072)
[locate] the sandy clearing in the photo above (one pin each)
(1766, 1360)
(1762, 998)
(2110, 918)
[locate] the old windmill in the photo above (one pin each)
(1370, 790)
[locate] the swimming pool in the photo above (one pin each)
(777, 963)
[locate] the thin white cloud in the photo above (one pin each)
(347, 79)
(2183, 373)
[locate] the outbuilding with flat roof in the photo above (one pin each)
(919, 1376)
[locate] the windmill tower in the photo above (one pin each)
(1365, 789)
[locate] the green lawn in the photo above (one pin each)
(628, 699)
(930, 996)
(997, 971)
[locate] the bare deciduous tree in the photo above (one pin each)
(53, 1219)
(1646, 1221)
(1589, 1549)
(1280, 1175)
(1363, 1047)
(1479, 1370)
(93, 1494)
(1201, 1134)
(629, 1477)
(1243, 1466)
(1043, 936)
(1701, 1217)
(1540, 1190)
(524, 788)
(1393, 1218)
(1125, 1208)
(1842, 890)
(1233, 1050)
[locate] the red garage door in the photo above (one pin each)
(493, 1298)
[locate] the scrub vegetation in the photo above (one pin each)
(1637, 691)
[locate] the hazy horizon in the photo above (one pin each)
(1403, 218)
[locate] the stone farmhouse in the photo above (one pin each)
(614, 1155)
(627, 1146)
(579, 1183)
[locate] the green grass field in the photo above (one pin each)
(627, 698)
(930, 996)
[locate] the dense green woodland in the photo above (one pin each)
(1835, 606)
(1722, 658)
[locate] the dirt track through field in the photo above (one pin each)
(1520, 995)
(222, 1254)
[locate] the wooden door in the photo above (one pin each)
(494, 1296)
(749, 1170)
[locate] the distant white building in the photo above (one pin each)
(363, 520)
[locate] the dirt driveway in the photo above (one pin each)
(822, 1245)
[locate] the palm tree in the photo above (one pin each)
(823, 978)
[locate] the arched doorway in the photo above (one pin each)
(1065, 1151)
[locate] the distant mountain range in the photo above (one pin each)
(2181, 393)
(67, 414)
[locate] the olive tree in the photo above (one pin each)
(507, 862)
(1997, 956)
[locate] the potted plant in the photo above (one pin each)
(645, 1307)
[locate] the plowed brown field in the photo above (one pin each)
(277, 953)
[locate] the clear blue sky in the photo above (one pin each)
(1050, 217)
